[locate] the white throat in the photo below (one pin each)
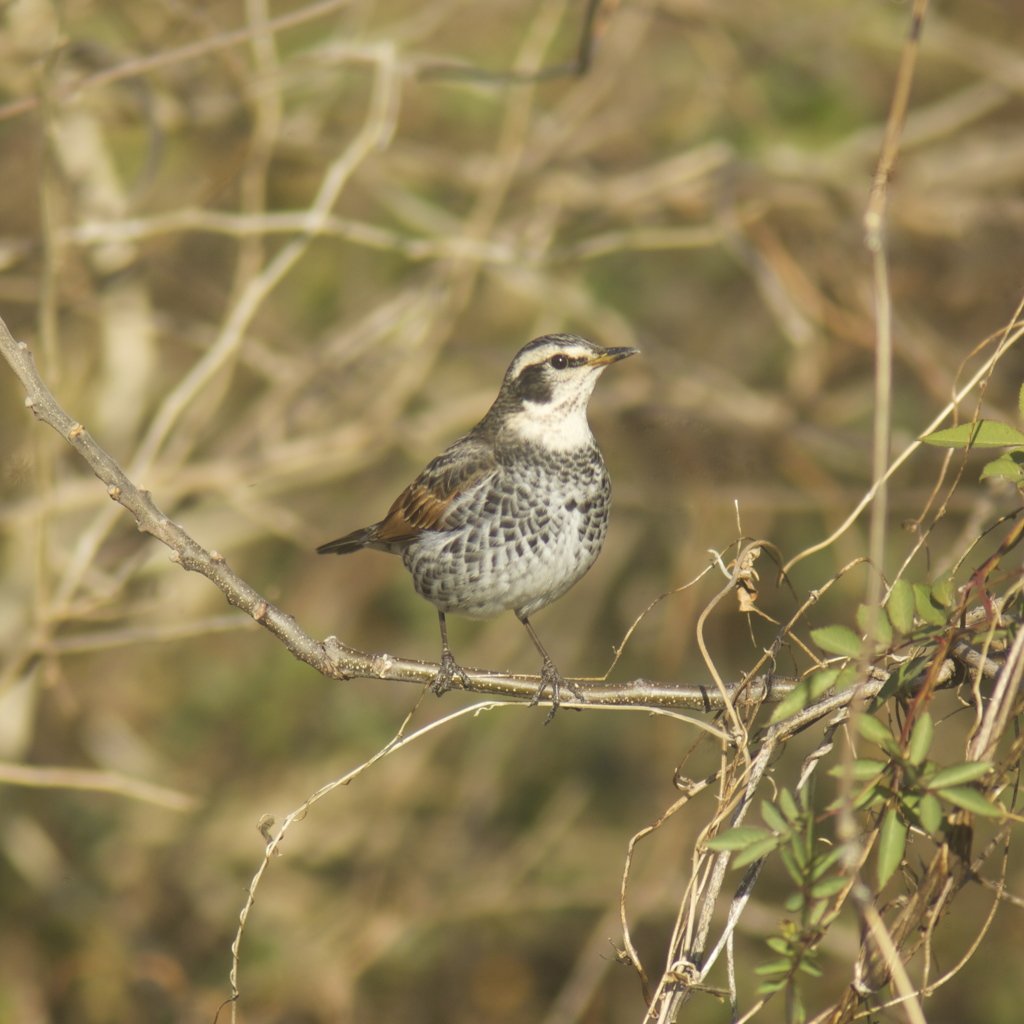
(552, 426)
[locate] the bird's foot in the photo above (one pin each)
(446, 675)
(550, 676)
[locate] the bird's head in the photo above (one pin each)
(544, 395)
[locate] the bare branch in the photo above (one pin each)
(331, 658)
(163, 58)
(96, 781)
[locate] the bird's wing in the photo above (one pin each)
(424, 504)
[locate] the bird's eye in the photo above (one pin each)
(559, 362)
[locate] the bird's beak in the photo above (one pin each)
(612, 355)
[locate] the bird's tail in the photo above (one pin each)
(354, 541)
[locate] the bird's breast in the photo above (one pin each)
(520, 539)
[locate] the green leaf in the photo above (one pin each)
(736, 839)
(847, 678)
(958, 774)
(878, 733)
(1008, 466)
(862, 770)
(773, 817)
(908, 801)
(821, 682)
(798, 845)
(769, 988)
(817, 913)
(942, 590)
(907, 671)
(755, 851)
(822, 864)
(871, 796)
(921, 739)
(925, 609)
(892, 842)
(791, 865)
(789, 807)
(795, 1012)
(806, 691)
(837, 640)
(794, 901)
(796, 700)
(982, 434)
(929, 813)
(777, 944)
(900, 606)
(828, 887)
(775, 967)
(970, 800)
(809, 968)
(882, 631)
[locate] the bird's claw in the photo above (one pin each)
(550, 676)
(446, 675)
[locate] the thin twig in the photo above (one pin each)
(165, 58)
(40, 777)
(595, 20)
(1010, 339)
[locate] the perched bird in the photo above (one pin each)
(513, 514)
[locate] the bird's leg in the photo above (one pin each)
(449, 669)
(549, 675)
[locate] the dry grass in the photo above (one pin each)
(274, 258)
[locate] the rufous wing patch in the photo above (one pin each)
(423, 504)
(415, 510)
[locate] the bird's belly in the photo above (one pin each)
(490, 565)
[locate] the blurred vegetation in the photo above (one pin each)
(698, 193)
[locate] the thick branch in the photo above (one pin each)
(331, 658)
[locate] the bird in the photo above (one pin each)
(514, 513)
